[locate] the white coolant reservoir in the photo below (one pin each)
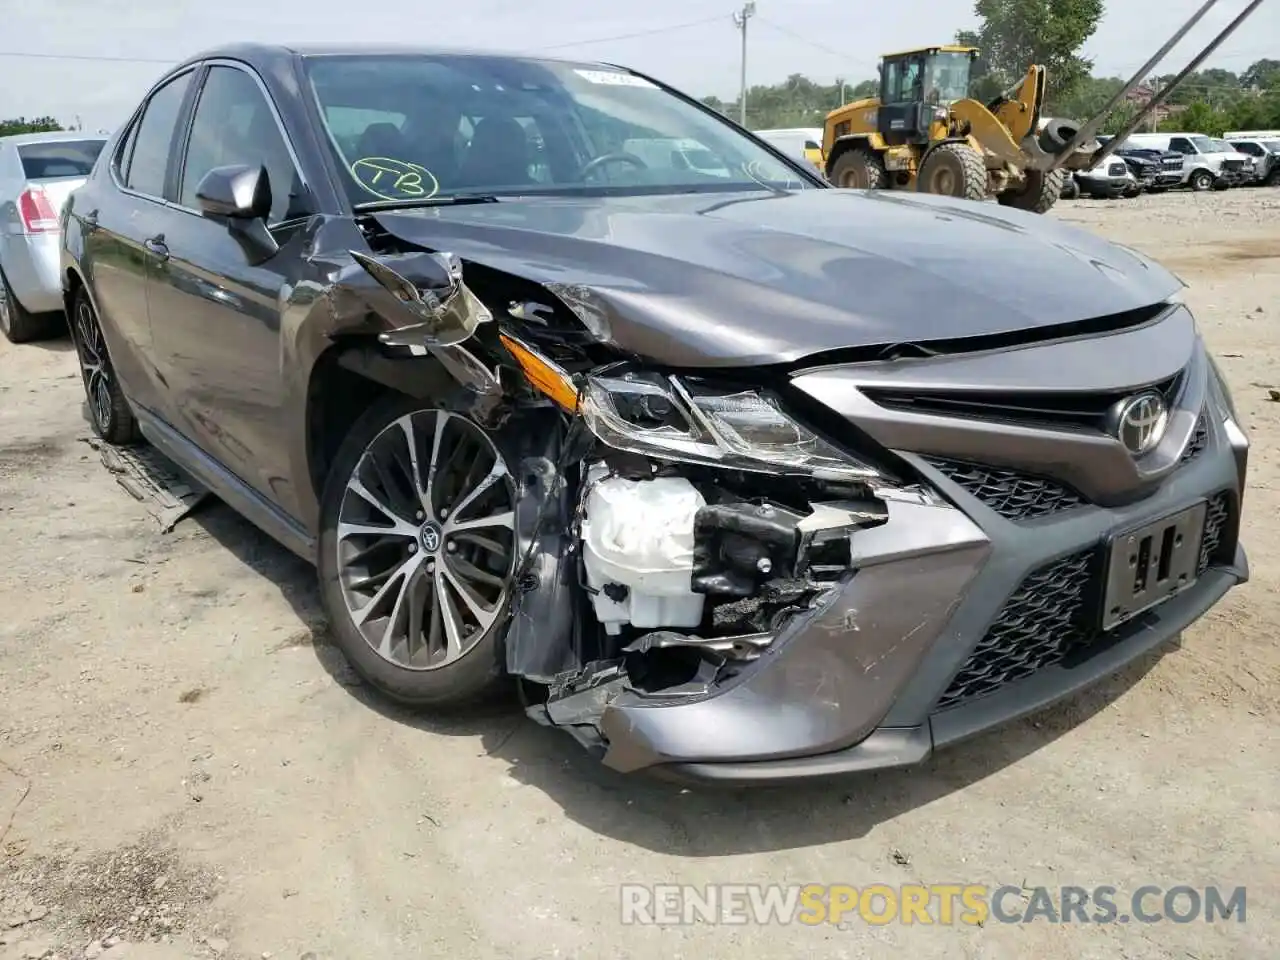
(638, 535)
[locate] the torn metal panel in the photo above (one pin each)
(167, 491)
(429, 308)
(422, 295)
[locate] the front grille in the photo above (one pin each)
(1172, 164)
(1232, 164)
(1199, 440)
(1116, 170)
(1058, 409)
(1013, 495)
(1037, 627)
(1046, 619)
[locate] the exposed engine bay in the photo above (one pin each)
(667, 528)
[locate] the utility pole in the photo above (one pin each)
(1155, 114)
(740, 21)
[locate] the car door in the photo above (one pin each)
(123, 217)
(215, 313)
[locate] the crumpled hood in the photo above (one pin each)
(699, 280)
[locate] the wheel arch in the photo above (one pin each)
(854, 141)
(345, 380)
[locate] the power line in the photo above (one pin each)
(81, 56)
(842, 54)
(638, 33)
(555, 46)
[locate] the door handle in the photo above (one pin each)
(157, 246)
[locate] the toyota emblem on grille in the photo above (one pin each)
(1139, 421)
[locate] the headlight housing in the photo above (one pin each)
(696, 421)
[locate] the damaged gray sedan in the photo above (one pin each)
(738, 476)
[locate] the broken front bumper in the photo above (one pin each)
(955, 621)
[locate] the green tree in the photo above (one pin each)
(1198, 117)
(1014, 34)
(23, 125)
(1261, 75)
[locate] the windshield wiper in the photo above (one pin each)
(456, 200)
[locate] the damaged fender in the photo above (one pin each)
(431, 310)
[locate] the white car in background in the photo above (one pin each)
(38, 171)
(800, 143)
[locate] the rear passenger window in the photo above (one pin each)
(155, 137)
(234, 125)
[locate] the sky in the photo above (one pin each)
(691, 44)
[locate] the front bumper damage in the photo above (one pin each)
(705, 621)
(953, 615)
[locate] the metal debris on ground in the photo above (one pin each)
(167, 491)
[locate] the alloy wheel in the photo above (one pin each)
(95, 367)
(425, 540)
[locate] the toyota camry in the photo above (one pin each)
(737, 476)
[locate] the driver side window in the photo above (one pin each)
(234, 124)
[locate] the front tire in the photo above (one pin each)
(109, 412)
(1201, 181)
(953, 170)
(859, 169)
(417, 553)
(1040, 191)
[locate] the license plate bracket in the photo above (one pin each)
(1150, 563)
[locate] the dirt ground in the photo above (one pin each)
(187, 767)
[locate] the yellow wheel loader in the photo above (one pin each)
(924, 132)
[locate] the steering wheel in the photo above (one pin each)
(620, 157)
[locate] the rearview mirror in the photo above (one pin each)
(240, 192)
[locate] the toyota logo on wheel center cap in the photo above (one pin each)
(1139, 422)
(430, 537)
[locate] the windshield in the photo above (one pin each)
(946, 77)
(1272, 145)
(1224, 147)
(1203, 144)
(54, 159)
(413, 127)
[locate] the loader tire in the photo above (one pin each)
(953, 170)
(858, 170)
(1039, 191)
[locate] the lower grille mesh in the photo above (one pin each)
(1013, 495)
(1037, 627)
(1215, 528)
(1048, 617)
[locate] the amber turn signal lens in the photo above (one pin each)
(545, 376)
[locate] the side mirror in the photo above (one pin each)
(239, 191)
(242, 194)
